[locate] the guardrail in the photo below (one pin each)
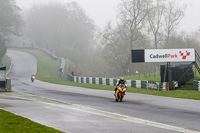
(196, 85)
(110, 81)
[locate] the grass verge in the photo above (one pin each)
(11, 123)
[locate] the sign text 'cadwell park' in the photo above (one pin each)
(163, 55)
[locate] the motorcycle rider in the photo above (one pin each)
(121, 81)
(32, 77)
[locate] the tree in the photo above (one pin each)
(155, 20)
(173, 16)
(132, 16)
(63, 29)
(127, 33)
(10, 23)
(140, 24)
(2, 49)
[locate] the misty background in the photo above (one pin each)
(67, 30)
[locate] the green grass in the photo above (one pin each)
(46, 67)
(11, 123)
(186, 91)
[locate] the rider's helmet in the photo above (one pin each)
(122, 80)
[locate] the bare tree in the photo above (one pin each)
(173, 16)
(155, 20)
(132, 16)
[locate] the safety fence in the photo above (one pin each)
(110, 81)
(196, 85)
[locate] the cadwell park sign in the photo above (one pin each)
(163, 55)
(179, 73)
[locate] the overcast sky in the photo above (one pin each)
(101, 11)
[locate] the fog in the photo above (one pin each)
(97, 40)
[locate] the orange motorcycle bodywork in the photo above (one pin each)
(119, 94)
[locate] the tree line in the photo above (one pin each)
(143, 24)
(10, 24)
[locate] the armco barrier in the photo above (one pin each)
(93, 81)
(100, 81)
(87, 80)
(104, 81)
(196, 85)
(77, 79)
(128, 83)
(114, 81)
(138, 83)
(107, 81)
(133, 83)
(97, 80)
(110, 81)
(144, 84)
(90, 80)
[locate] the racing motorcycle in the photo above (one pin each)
(120, 92)
(32, 78)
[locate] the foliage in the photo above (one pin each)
(64, 29)
(2, 49)
(10, 23)
(140, 24)
(126, 35)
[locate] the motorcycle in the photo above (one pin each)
(120, 92)
(32, 78)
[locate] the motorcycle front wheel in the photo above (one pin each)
(116, 97)
(121, 97)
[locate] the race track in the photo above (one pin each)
(81, 110)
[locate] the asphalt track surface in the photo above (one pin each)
(81, 110)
